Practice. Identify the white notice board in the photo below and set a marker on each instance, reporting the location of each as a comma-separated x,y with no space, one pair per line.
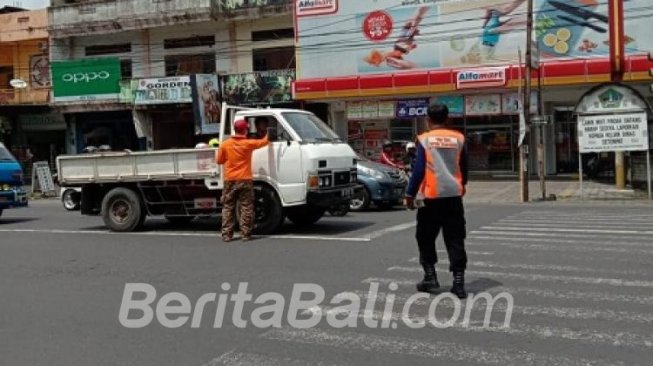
42,178
618,132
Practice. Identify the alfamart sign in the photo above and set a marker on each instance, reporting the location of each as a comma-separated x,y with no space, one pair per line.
481,78
86,80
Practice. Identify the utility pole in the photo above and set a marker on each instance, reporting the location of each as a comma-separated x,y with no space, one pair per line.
526,108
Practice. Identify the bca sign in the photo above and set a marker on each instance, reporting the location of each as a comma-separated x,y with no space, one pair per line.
412,108
316,7
481,78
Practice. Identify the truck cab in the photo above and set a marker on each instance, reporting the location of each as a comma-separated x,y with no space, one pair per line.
12,193
304,171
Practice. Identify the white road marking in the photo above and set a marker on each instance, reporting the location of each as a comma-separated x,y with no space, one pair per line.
520,330
391,229
551,311
573,225
532,267
252,359
538,292
553,235
430,349
183,234
564,279
557,241
549,245
563,230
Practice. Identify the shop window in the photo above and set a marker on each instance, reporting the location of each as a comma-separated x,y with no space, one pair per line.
491,143
281,58
108,49
190,64
273,35
126,69
197,41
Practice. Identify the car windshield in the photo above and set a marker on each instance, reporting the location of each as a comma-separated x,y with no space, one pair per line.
310,128
5,155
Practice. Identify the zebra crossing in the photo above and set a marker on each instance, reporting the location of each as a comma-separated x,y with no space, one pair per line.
581,280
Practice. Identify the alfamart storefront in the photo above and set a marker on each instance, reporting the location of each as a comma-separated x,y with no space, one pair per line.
394,59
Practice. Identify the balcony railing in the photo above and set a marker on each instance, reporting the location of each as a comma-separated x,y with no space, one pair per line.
27,96
107,16
251,9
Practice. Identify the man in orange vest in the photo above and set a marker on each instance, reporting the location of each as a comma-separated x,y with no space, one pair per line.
438,181
236,156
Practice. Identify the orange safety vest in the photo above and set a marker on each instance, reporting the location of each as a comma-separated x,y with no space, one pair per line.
443,177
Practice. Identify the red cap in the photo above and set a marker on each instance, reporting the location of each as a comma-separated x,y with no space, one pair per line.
241,126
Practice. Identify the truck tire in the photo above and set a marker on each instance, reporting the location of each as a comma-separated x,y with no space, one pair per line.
305,215
268,212
122,210
71,200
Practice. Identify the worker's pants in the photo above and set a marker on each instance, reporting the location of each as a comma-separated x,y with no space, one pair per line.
447,214
237,194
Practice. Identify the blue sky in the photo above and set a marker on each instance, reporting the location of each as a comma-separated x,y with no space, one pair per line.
29,4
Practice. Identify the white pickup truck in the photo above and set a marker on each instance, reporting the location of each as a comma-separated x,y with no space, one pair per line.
304,171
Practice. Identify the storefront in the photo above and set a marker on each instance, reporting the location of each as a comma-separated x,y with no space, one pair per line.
163,110
489,121
40,137
392,59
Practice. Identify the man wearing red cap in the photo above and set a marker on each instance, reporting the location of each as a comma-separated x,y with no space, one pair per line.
236,156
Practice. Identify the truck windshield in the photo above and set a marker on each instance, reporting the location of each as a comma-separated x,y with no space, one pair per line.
310,128
5,155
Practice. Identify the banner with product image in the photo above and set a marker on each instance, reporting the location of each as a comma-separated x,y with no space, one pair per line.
383,36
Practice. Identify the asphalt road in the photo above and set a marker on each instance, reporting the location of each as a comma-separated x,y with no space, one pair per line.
580,276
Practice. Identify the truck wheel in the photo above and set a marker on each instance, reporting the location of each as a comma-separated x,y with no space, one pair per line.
70,200
361,201
305,215
122,210
268,212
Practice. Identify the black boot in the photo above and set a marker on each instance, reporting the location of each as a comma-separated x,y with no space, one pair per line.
430,281
458,287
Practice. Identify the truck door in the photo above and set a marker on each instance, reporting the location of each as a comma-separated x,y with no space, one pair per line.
281,162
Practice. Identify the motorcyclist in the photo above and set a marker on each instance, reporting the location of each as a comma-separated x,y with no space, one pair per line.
386,156
411,156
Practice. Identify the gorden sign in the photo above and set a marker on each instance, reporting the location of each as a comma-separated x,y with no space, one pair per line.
86,80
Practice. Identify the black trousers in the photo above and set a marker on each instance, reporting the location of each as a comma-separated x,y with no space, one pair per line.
447,214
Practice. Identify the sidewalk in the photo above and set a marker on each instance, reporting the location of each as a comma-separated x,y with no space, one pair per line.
479,191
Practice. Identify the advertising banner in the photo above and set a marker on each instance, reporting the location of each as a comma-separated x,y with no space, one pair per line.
618,132
206,103
413,108
455,104
266,87
86,80
479,105
163,91
390,36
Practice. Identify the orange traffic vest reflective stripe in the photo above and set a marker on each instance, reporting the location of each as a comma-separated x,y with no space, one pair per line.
443,149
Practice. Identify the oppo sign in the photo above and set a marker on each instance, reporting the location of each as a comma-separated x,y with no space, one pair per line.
85,77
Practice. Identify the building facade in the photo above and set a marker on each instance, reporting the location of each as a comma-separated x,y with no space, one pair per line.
27,125
378,68
172,58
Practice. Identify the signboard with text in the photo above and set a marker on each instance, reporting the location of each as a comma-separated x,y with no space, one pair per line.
618,132
163,91
412,108
86,79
